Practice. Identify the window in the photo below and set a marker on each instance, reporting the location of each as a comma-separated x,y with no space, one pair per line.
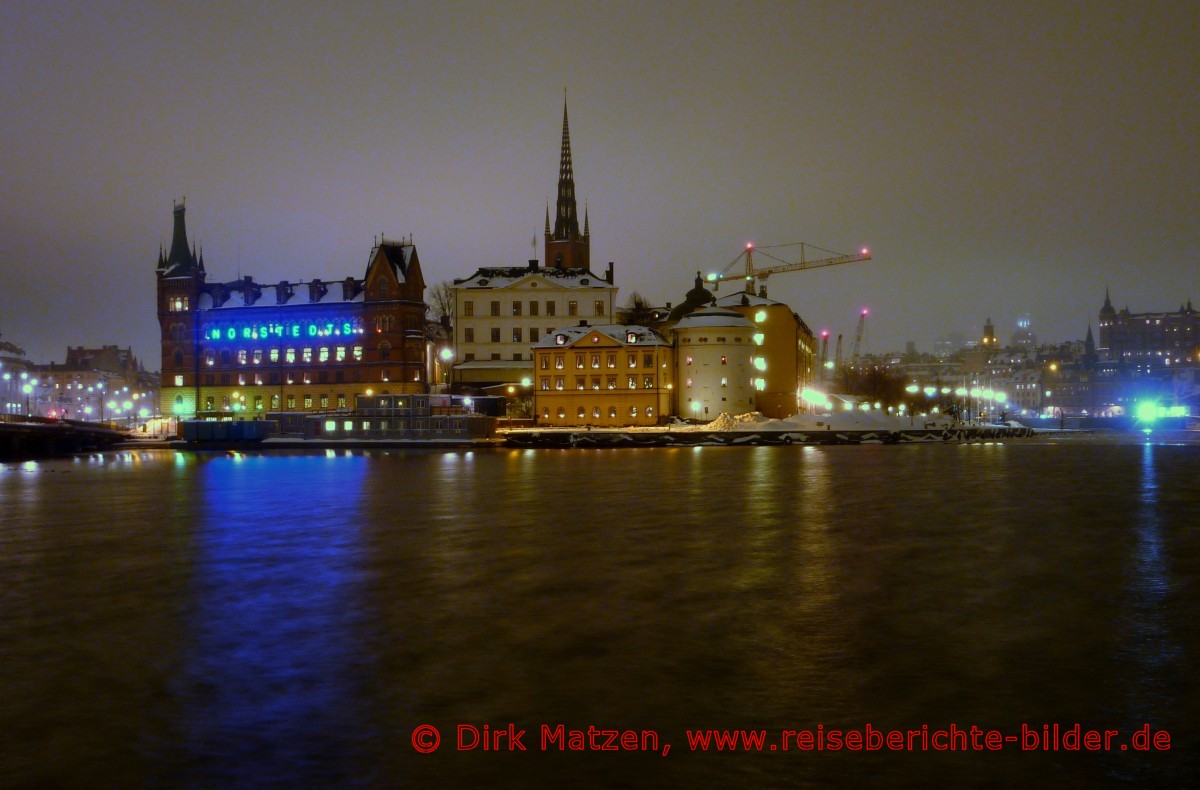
595,412
724,382
649,411
241,356
572,307
631,337
273,355
558,382
341,401
544,383
633,411
580,413
225,403
178,357
558,361
611,382
290,355
599,307
469,335
516,334
258,378
339,353
274,403
546,413
516,307
258,403
689,360
580,382
496,307
533,307
495,334
533,333
178,332
648,382
468,308
595,382
579,361
724,361
612,412
324,401
306,355
177,304
209,357
595,360
647,360
384,375
611,360
561,412
544,362
241,379
291,401
179,381
549,308
470,357
258,356
631,383
323,377
323,354
208,403
631,359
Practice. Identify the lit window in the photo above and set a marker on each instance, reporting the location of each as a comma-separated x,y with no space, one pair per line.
631,359
612,412
633,411
580,413
558,382
558,361
323,354
572,308
516,308
290,355
179,381
631,383
649,411
579,361
340,353
306,355
241,356
611,360
545,361
273,354
599,307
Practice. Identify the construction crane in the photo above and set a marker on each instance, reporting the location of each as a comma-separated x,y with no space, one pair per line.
753,275
858,336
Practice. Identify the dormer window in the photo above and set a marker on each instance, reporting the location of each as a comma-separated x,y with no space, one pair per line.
631,337
560,340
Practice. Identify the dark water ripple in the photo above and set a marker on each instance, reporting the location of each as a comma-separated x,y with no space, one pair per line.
288,620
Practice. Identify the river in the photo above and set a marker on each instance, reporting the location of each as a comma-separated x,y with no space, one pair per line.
293,619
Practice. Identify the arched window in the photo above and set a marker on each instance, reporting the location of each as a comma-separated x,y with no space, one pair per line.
178,332
178,358
225,357
385,350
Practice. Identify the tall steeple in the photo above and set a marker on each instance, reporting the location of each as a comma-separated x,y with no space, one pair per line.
565,247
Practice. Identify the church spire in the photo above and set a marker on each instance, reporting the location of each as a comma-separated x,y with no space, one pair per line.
566,218
566,248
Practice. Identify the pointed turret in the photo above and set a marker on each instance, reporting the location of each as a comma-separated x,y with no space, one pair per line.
180,259
1107,308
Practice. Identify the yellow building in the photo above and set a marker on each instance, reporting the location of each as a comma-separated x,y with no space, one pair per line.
786,358
604,376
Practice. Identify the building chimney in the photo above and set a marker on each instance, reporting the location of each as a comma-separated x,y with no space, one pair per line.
583,322
610,273
533,264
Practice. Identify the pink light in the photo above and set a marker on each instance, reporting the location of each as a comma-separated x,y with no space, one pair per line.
866,251
866,311
749,245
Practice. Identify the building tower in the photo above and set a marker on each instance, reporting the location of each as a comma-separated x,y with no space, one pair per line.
180,278
566,247
989,335
1108,317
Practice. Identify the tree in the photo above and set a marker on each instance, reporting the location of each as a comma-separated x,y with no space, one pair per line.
441,302
639,310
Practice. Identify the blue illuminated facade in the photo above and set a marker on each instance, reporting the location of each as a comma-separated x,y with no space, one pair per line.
244,349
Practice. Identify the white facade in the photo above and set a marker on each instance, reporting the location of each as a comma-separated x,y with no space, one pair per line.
714,352
501,313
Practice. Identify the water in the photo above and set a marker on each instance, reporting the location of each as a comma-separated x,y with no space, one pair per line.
291,620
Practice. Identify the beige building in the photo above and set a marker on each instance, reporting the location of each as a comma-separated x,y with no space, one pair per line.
500,313
787,352
714,357
604,376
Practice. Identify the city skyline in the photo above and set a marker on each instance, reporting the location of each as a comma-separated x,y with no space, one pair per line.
999,162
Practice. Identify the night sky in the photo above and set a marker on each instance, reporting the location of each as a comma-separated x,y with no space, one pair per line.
998,158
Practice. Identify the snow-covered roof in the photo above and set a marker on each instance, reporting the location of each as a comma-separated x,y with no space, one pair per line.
642,336
508,276
247,293
751,300
714,317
